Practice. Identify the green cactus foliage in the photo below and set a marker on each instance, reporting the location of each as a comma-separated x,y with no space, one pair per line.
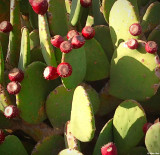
14,36
134,73
34,39
57,12
70,141
24,58
68,6
128,122
108,103
34,91
4,9
7,147
24,6
82,116
4,38
58,110
44,35
77,59
58,55
49,145
152,138
76,12
122,16
90,21
1,65
70,152
138,150
102,35
142,3
151,18
97,62
36,55
105,136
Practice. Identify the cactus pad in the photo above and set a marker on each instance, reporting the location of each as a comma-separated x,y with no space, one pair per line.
12,146
33,93
128,122
138,150
82,116
58,110
97,62
152,139
70,152
105,137
134,73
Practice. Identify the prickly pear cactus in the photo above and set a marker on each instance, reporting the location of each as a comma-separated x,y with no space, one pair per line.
76,98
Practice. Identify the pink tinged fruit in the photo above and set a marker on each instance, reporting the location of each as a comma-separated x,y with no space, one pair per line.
78,41
6,26
57,40
135,29
16,75
86,3
146,126
88,32
71,34
50,73
66,47
11,111
132,44
13,87
109,149
64,69
39,6
151,47
2,136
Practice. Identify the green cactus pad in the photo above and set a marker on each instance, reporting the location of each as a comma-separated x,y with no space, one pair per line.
152,138
12,146
128,122
102,35
34,91
36,55
122,16
57,12
82,116
70,152
105,137
4,9
138,150
68,6
44,35
34,39
152,106
58,55
134,73
97,62
24,58
77,59
58,110
70,141
49,145
151,19
15,35
108,103
1,65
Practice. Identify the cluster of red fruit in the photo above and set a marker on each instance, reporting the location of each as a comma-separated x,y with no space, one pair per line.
135,30
75,41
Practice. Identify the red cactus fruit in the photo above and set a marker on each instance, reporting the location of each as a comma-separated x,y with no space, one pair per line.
13,87
135,29
39,6
16,75
71,34
64,69
50,73
57,40
11,111
146,126
2,136
66,47
132,44
88,32
78,41
86,3
6,26
151,47
109,149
